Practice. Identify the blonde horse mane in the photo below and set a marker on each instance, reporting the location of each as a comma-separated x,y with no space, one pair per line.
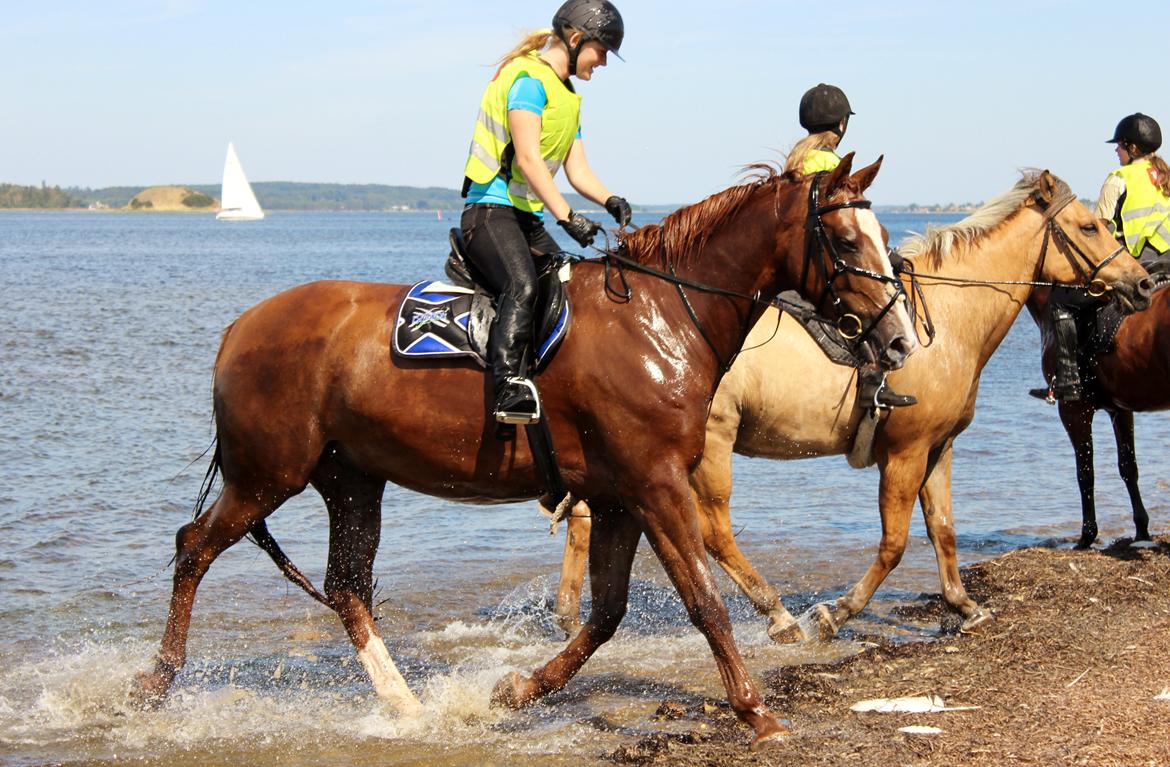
684,232
939,242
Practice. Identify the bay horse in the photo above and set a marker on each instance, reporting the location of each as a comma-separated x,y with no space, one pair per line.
305,392
1133,376
784,399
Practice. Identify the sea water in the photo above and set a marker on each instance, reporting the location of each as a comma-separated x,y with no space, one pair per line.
109,326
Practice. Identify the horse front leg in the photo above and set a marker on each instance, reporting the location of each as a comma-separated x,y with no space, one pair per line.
1077,418
668,518
197,544
1128,468
711,486
573,563
901,479
935,499
612,544
354,501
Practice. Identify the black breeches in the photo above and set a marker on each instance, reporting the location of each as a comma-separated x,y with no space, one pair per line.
506,244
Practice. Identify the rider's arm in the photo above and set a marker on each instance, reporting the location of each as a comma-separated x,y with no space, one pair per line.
525,129
1109,198
582,177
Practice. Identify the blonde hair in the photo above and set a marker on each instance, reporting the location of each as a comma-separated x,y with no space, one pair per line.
533,41
810,143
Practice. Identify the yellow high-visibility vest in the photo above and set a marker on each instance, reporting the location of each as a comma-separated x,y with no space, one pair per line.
558,128
819,160
1145,211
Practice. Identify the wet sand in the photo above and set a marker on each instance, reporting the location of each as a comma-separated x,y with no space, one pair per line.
1075,670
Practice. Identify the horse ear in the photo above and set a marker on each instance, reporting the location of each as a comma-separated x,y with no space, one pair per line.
1046,189
864,177
839,174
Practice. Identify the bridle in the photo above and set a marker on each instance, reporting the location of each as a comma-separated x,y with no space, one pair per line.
1092,285
850,326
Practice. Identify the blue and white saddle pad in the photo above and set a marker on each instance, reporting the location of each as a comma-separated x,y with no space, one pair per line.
439,320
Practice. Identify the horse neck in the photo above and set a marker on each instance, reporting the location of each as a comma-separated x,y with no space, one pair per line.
978,317
740,256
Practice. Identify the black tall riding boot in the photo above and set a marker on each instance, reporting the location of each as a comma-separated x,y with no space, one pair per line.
509,343
874,392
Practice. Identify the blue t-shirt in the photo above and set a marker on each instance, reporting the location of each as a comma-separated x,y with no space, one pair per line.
526,93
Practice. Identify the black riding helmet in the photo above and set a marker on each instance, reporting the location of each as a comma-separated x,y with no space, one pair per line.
596,20
1140,130
823,107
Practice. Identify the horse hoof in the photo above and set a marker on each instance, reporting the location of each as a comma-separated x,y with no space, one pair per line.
149,691
514,691
824,623
788,633
770,740
571,626
976,621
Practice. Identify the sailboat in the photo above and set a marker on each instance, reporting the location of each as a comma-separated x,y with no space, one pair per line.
237,201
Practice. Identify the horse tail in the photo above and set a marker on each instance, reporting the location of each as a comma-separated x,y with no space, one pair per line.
260,536
216,456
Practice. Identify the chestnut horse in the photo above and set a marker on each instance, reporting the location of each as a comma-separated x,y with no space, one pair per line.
305,392
1133,376
784,399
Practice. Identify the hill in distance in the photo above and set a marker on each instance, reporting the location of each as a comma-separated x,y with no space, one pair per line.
172,199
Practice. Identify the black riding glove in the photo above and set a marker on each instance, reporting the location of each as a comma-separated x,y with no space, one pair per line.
620,210
580,228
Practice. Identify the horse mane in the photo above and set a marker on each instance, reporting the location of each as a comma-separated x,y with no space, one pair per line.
684,233
940,242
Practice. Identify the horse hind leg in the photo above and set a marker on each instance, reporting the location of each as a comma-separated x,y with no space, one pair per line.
1128,468
711,487
197,545
354,501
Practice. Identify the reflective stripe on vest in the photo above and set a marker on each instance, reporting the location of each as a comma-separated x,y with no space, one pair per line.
558,128
1145,211
819,160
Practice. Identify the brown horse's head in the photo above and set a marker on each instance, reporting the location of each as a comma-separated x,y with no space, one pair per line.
857,286
1082,250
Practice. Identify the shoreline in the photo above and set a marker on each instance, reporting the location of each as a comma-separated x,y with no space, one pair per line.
1075,669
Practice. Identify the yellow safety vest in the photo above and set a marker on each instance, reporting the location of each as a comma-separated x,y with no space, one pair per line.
1145,211
820,160
558,128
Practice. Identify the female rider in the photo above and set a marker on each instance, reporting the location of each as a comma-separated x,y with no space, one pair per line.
1135,202
824,113
528,128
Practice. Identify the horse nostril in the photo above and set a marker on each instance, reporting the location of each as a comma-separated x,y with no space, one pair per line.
1145,287
902,345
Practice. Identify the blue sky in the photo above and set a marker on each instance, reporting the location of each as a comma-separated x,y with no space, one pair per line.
957,96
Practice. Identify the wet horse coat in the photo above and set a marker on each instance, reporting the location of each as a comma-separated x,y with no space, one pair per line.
1133,376
304,394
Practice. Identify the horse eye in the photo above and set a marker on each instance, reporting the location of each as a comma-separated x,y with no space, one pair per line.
846,245
1089,229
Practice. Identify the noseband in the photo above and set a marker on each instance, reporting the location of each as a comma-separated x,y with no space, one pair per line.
1080,261
849,325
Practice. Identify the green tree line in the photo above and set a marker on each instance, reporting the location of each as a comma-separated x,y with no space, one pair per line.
43,196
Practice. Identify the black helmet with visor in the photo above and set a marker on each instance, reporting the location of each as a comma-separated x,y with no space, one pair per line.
596,20
1142,131
823,107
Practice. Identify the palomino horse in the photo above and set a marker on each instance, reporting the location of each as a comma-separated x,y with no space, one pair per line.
784,399
1133,376
305,393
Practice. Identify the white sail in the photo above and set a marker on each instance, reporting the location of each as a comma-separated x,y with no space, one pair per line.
237,201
